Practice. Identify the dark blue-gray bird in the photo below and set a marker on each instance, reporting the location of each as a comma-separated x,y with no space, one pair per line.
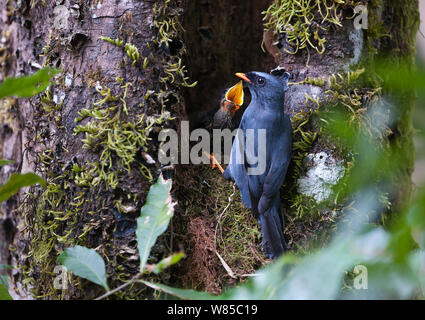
261,190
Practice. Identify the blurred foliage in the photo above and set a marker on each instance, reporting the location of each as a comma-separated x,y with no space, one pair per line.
16,182
27,86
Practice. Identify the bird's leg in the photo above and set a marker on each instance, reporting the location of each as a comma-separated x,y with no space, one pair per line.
214,162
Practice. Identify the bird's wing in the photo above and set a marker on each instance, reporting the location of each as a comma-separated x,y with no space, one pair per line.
236,170
279,165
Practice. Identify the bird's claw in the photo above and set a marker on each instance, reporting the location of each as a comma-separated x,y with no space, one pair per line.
214,162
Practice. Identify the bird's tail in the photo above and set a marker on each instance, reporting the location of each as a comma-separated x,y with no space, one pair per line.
271,229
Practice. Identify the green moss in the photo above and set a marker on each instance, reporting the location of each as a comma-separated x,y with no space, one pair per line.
236,230
132,52
109,135
6,114
400,51
341,91
376,27
117,42
303,22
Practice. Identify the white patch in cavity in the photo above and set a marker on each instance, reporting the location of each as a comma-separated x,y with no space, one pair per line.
323,173
146,220
59,99
68,79
62,96
61,17
98,86
315,92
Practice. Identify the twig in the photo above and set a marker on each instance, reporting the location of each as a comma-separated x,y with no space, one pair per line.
226,266
249,275
107,294
221,215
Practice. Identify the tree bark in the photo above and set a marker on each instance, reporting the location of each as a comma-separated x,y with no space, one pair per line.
94,187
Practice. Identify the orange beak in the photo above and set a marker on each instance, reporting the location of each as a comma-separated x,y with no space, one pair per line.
243,76
235,94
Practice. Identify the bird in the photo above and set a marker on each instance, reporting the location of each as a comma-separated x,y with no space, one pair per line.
261,191
224,117
231,102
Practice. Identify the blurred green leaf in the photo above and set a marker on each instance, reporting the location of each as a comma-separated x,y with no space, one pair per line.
4,162
4,280
316,276
85,263
415,219
155,216
186,294
399,77
417,264
27,86
6,266
373,161
17,181
167,262
4,293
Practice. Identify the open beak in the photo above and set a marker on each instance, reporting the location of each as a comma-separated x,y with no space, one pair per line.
243,76
235,94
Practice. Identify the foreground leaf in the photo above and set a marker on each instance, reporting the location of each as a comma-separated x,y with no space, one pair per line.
4,281
85,263
4,293
187,294
4,162
155,216
6,266
27,86
18,181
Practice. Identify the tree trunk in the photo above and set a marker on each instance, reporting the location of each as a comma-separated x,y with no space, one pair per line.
88,136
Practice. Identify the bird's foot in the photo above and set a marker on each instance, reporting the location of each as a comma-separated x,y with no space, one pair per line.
214,162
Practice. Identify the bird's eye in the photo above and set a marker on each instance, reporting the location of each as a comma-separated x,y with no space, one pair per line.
261,81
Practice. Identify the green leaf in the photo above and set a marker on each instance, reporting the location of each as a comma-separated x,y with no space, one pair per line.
4,293
4,162
5,266
166,262
4,280
155,216
27,86
18,181
187,294
85,263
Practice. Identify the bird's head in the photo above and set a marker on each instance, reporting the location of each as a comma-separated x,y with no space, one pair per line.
266,87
